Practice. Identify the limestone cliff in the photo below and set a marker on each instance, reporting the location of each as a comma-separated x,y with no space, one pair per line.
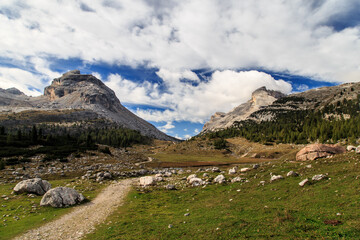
259,99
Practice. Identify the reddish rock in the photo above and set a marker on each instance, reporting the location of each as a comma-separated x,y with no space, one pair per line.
314,151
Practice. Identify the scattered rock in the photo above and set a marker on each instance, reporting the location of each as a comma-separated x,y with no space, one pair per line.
170,187
319,177
245,170
357,150
233,170
191,177
187,214
215,169
236,179
304,182
350,148
292,174
256,166
276,177
61,197
205,175
262,183
35,185
314,151
196,182
147,181
219,179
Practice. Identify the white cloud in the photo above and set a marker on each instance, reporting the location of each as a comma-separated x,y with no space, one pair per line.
196,131
167,127
187,136
223,91
295,36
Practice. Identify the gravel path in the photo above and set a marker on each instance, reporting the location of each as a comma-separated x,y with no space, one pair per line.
83,219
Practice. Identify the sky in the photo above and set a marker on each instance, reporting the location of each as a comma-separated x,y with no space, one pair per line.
175,63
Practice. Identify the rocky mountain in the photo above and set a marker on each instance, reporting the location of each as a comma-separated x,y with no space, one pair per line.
260,99
266,105
81,94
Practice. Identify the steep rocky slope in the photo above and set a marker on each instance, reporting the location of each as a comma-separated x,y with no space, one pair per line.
75,91
260,98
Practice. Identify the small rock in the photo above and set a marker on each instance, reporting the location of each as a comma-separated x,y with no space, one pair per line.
236,179
170,226
292,174
196,182
256,166
187,214
245,170
233,170
319,177
147,181
215,169
170,187
303,182
350,148
276,177
219,179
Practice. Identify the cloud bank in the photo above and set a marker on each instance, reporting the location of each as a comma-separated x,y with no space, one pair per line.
186,101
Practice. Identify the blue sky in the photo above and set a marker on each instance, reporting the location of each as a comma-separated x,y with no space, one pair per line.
175,63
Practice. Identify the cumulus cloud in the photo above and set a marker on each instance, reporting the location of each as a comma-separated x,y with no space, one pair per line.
167,127
223,91
313,38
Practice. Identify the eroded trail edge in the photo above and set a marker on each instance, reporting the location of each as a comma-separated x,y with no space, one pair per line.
83,219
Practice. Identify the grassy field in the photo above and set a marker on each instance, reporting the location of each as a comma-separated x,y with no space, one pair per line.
19,213
328,209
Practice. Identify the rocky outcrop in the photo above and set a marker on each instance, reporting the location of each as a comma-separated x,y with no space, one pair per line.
260,98
74,90
35,185
61,197
314,151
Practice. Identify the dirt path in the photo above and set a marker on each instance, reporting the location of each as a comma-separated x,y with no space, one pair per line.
83,219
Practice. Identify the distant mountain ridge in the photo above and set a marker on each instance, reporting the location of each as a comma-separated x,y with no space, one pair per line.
260,98
74,90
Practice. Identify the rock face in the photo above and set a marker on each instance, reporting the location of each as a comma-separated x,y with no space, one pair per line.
61,197
314,151
260,98
35,185
74,90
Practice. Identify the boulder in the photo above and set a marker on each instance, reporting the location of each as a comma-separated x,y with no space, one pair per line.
219,179
236,179
233,170
170,187
196,182
245,169
35,185
319,177
303,182
350,148
216,169
292,174
276,177
357,150
61,197
147,181
314,151
190,177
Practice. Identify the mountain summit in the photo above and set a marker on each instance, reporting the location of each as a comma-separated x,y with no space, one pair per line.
260,98
74,90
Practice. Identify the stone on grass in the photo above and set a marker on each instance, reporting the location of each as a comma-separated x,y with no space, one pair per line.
357,150
256,166
304,182
190,177
314,151
219,179
233,170
147,181
215,169
61,197
196,182
236,179
170,187
35,185
245,169
350,148
292,174
319,177
276,177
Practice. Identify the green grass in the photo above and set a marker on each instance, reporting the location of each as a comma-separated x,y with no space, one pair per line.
17,214
278,210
